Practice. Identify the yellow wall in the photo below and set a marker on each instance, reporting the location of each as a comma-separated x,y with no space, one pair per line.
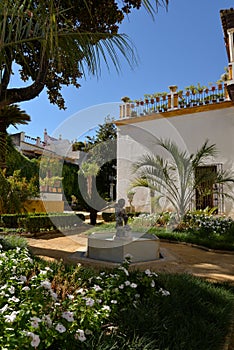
39,206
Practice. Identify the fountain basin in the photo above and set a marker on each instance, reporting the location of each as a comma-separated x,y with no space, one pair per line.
105,247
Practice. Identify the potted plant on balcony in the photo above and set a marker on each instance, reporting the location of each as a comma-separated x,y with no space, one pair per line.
182,102
125,99
192,89
137,102
164,95
164,107
219,84
157,95
173,88
147,98
180,93
212,85
187,91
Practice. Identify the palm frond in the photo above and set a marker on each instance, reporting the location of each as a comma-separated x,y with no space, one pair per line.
203,153
60,43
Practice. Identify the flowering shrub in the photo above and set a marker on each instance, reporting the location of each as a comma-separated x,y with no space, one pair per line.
202,223
35,315
157,219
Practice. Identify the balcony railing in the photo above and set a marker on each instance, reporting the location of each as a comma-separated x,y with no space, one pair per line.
174,101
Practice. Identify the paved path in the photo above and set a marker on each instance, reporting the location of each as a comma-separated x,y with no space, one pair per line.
177,258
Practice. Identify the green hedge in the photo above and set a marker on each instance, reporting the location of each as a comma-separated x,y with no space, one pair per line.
37,222
42,223
109,217
11,220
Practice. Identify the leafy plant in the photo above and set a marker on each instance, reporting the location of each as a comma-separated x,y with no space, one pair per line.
15,190
174,177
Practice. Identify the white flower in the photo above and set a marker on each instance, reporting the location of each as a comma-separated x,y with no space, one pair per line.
68,315
106,307
89,301
35,321
152,284
137,296
26,288
121,286
11,318
70,296
35,340
47,268
80,335
3,309
4,286
128,256
23,278
11,290
54,295
14,299
80,291
46,284
60,328
30,260
164,292
97,288
124,270
148,272
113,301
133,285
47,320
127,283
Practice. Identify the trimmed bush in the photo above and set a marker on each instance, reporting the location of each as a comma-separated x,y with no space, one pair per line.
11,220
52,222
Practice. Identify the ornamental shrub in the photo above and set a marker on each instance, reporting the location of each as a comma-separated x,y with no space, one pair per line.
207,225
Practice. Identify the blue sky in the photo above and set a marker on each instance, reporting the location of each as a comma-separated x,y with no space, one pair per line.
182,46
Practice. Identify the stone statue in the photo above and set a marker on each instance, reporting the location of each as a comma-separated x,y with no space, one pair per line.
123,230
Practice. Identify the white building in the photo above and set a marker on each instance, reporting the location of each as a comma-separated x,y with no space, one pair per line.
188,120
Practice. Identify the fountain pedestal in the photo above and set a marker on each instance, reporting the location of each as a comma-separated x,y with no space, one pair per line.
108,247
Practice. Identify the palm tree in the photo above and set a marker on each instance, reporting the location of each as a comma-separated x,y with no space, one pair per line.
174,178
9,115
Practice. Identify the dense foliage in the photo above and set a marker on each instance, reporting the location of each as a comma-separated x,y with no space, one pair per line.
54,43
52,306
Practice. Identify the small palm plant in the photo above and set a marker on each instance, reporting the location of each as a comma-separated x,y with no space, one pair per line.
9,115
174,177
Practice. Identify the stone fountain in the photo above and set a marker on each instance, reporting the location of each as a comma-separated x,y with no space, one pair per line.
114,246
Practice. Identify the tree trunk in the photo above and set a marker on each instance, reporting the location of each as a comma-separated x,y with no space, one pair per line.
93,216
3,135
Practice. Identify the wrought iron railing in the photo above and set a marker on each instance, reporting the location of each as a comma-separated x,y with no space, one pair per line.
173,101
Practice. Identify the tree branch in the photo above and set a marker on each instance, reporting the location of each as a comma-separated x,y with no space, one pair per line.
16,95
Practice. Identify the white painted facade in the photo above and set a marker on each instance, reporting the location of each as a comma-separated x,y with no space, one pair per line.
188,128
